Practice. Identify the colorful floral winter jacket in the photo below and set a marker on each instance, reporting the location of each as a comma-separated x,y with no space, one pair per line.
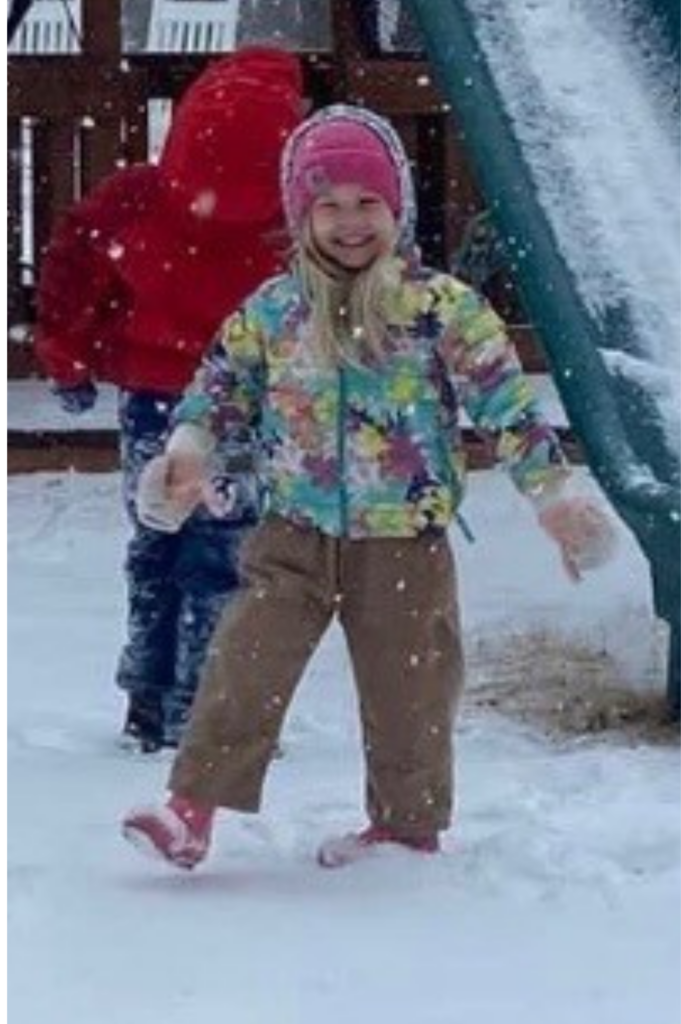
373,451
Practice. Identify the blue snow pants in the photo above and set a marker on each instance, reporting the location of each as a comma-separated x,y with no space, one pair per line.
178,584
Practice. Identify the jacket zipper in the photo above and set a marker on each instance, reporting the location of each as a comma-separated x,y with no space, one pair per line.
341,452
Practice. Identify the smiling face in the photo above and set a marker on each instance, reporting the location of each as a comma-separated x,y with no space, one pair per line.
352,226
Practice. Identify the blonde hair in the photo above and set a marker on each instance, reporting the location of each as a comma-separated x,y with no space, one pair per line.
349,324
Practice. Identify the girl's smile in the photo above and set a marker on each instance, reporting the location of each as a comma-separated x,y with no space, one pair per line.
352,226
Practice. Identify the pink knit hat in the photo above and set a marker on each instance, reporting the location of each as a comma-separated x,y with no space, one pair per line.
338,151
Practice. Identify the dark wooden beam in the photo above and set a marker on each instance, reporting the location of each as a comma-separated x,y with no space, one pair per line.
396,87
97,450
101,21
54,87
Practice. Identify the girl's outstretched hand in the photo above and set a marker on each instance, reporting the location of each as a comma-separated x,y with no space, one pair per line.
171,487
584,532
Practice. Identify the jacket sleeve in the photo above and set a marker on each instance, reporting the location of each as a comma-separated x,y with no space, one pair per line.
486,374
226,394
79,290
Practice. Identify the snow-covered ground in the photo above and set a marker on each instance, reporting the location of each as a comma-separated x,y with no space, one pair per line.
556,900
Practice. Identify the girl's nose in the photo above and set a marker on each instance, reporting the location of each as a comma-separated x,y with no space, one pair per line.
351,217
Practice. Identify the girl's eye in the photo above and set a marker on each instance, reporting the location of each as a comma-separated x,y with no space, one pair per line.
369,201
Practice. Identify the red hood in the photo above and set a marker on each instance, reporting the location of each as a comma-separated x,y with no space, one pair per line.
223,148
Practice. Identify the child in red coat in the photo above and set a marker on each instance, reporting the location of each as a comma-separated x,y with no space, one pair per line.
133,286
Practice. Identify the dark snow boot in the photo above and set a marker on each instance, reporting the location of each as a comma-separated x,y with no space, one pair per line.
143,727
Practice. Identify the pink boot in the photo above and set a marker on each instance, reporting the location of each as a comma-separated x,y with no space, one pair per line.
342,850
179,832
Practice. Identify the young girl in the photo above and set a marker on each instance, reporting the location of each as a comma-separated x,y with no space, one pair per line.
351,368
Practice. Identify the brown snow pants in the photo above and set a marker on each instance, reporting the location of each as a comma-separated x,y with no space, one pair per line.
396,601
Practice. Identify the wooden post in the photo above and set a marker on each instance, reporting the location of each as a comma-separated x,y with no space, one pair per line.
102,29
102,141
15,294
53,184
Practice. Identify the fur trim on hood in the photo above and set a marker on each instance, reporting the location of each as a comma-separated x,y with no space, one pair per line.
342,112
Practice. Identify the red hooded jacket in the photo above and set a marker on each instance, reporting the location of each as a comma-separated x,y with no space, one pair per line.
140,274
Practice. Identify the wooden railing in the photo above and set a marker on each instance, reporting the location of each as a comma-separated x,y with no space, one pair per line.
198,26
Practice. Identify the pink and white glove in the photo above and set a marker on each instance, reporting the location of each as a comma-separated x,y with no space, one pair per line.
584,532
171,487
